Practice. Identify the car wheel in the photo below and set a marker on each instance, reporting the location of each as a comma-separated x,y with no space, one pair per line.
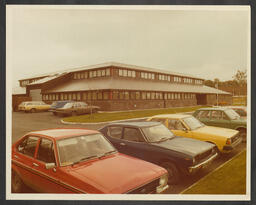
242,133
173,173
17,183
33,110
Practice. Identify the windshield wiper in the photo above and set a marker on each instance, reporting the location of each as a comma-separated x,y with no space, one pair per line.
106,153
84,158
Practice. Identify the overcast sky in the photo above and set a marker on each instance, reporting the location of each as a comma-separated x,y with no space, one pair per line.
205,43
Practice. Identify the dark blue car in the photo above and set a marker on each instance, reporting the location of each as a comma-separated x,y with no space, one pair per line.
58,104
153,142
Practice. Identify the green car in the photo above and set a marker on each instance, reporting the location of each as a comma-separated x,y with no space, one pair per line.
222,117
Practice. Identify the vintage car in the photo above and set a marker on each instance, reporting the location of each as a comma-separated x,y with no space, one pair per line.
153,142
188,126
241,110
222,117
33,106
58,104
76,108
80,161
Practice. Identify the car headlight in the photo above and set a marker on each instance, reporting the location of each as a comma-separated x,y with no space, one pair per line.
228,141
162,183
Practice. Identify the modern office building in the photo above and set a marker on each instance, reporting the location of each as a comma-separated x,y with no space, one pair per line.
117,86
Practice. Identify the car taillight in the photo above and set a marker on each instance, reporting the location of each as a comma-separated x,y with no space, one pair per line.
228,141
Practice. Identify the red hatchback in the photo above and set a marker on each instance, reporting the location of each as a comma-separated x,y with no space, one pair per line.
80,161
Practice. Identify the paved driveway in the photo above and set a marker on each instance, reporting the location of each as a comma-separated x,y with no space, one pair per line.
26,122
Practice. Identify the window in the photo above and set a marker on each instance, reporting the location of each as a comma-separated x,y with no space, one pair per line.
120,72
216,114
126,95
65,96
153,76
108,72
142,75
85,74
137,95
133,74
46,151
153,95
148,95
78,96
125,73
90,74
53,96
133,95
28,146
105,95
115,95
203,114
74,96
133,134
159,120
94,96
175,124
78,76
89,96
129,73
57,97
75,76
143,95
82,75
70,96
99,96
121,95
84,96
103,72
115,132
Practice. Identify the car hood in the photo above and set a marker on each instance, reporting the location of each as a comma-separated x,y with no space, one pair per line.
117,173
184,145
216,131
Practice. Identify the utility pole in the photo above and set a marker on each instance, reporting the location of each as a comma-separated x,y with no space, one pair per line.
217,86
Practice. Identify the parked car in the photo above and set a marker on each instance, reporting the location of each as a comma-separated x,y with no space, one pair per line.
241,110
33,106
153,142
80,161
77,108
58,104
188,126
222,117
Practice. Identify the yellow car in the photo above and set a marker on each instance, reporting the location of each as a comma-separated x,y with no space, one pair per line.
188,126
33,106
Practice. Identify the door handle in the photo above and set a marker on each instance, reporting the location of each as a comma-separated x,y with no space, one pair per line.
35,164
123,144
16,156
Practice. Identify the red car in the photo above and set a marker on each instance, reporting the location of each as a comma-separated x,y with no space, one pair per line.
80,161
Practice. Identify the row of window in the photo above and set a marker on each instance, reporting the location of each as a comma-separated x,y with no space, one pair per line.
132,74
92,74
117,95
146,75
126,73
198,82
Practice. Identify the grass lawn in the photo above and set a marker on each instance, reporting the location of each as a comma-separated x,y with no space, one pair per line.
229,179
104,117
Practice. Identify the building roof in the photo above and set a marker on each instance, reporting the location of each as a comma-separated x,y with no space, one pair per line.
46,79
136,124
19,91
115,64
132,84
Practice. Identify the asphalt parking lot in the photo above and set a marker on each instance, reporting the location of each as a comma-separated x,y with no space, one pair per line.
23,123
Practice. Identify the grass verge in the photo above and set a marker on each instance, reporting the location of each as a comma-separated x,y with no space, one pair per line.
229,179
105,117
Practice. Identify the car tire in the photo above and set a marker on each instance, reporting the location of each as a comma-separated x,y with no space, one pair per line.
33,110
173,172
17,183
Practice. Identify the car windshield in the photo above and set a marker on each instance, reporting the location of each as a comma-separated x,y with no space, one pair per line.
54,104
193,123
68,105
157,133
80,148
232,114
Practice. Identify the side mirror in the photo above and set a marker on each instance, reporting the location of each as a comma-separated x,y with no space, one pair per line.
49,165
20,148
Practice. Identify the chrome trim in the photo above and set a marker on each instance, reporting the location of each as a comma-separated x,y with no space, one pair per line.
205,162
142,185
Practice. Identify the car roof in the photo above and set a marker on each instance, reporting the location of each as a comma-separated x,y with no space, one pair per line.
177,116
59,133
215,108
136,124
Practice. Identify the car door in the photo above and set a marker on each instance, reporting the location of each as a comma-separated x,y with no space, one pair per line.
46,168
134,144
178,128
24,160
219,119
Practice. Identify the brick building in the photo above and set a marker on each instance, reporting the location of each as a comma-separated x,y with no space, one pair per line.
116,86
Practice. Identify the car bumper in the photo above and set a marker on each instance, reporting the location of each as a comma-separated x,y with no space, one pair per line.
194,169
229,148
